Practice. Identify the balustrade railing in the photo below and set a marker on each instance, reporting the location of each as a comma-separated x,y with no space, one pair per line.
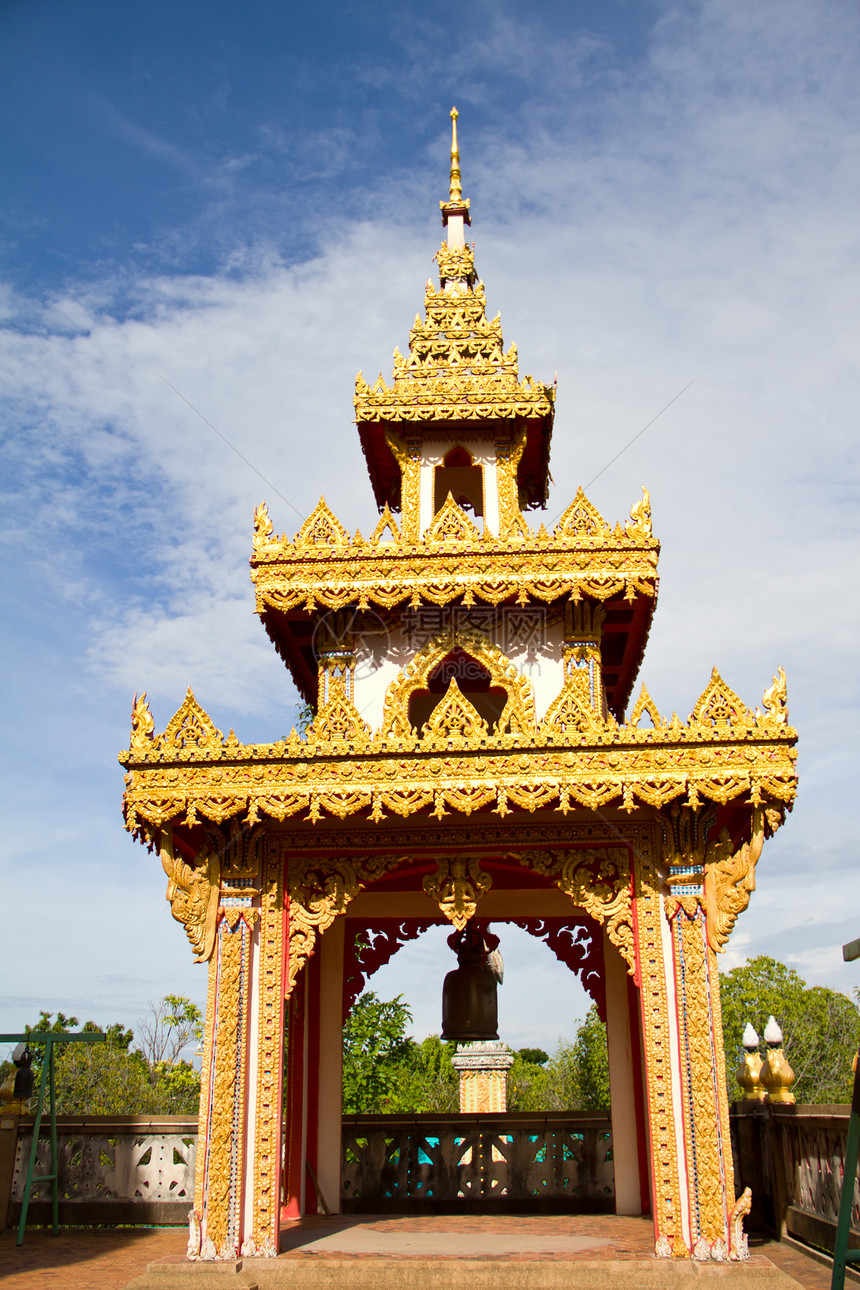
792,1158
127,1169
459,1161
113,1169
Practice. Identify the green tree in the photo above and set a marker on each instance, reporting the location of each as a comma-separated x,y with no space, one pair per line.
591,1062
170,1026
528,1082
113,1078
375,1047
536,1056
821,1027
427,1081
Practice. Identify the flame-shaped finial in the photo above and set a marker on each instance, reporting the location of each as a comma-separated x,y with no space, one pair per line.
456,185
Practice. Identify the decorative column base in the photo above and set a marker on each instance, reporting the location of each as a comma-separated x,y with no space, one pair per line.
483,1069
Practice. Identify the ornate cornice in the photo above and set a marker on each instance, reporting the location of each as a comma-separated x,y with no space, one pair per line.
723,753
324,567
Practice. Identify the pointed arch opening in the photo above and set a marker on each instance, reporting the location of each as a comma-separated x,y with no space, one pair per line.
473,680
459,476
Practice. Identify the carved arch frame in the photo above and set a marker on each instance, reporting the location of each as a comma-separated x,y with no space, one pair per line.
519,711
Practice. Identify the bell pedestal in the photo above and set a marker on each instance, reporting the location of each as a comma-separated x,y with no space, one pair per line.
483,1070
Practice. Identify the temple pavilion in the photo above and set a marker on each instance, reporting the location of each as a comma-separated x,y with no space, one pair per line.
474,753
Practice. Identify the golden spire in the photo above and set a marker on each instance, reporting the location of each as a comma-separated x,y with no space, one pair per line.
456,189
457,206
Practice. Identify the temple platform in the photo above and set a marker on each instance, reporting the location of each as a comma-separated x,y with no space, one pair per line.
477,1252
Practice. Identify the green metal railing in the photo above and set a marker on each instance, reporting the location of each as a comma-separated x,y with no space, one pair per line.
841,1253
49,1039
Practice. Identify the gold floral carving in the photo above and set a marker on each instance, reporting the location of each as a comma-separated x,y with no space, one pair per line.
320,890
713,1169
193,895
456,263
142,724
190,732
386,523
775,699
338,723
729,881
322,529
451,524
640,514
512,526
666,1186
270,1005
598,882
457,886
408,458
722,754
454,721
207,1074
226,1147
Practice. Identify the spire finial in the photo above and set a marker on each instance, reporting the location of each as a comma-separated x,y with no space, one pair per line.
455,212
456,188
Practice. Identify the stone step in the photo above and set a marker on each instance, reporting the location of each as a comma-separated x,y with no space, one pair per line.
381,1273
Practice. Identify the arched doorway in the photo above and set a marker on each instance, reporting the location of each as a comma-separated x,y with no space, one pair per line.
394,910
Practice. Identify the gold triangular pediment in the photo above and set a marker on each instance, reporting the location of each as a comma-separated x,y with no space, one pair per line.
387,523
718,706
322,528
567,714
338,720
452,524
582,519
644,704
190,729
455,717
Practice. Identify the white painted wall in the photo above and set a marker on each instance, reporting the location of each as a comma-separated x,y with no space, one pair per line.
542,663
378,660
625,1153
381,657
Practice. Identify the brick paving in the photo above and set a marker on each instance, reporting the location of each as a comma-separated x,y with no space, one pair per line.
81,1258
107,1259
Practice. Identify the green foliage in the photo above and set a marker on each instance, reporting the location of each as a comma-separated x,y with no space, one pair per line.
574,1078
375,1047
427,1081
590,1059
114,1079
384,1070
821,1027
536,1056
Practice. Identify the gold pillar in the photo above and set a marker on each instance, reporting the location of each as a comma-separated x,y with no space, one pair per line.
695,1212
237,1184
483,1072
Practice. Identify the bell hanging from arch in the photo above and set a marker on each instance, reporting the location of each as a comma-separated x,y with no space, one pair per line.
469,1002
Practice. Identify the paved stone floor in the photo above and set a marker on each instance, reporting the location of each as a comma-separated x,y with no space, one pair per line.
107,1259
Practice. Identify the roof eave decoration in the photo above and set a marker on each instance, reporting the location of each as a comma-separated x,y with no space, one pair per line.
583,556
570,759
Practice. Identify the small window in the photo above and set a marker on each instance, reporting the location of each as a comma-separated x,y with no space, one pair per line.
462,479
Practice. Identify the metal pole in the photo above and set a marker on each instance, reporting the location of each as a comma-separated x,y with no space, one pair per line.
841,1253
37,1124
55,1162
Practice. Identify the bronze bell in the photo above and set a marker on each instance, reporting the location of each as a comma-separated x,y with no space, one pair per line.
469,1003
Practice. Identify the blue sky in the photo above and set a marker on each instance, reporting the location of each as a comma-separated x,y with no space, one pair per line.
241,202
